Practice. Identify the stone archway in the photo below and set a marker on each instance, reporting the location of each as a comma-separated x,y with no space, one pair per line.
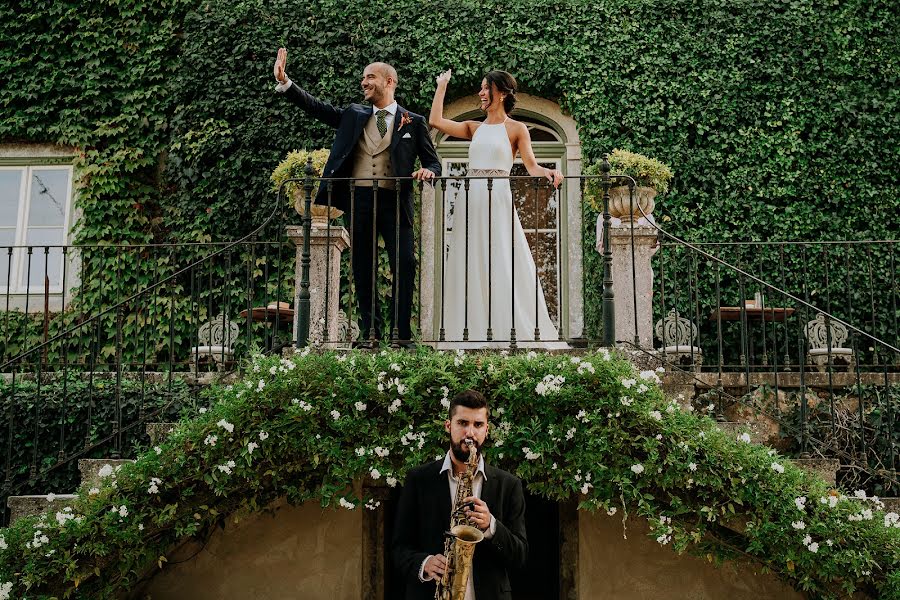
556,140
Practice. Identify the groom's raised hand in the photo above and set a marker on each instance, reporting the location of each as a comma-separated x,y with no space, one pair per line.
280,64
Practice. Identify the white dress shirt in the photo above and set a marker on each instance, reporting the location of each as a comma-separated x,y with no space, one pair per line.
477,484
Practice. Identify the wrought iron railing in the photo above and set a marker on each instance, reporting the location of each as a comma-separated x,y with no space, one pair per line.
84,373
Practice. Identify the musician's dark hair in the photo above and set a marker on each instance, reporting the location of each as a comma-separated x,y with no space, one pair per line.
469,399
506,84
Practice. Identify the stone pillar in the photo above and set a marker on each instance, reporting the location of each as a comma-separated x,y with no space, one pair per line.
426,266
321,239
645,246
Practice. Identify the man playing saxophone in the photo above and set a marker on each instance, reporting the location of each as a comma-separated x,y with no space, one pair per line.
429,504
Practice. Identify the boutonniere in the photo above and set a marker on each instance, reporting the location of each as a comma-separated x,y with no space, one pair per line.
405,119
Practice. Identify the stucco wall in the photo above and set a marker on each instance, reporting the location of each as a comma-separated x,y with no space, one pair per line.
295,552
638,568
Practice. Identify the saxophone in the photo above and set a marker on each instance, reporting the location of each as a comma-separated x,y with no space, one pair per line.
460,540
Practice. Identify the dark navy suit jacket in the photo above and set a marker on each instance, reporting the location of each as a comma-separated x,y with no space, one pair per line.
350,123
423,514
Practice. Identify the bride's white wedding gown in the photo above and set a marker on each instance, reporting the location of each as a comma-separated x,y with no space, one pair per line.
497,274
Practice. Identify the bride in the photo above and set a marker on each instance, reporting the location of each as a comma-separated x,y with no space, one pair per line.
489,273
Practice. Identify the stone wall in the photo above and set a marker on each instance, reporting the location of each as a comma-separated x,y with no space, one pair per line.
638,568
289,552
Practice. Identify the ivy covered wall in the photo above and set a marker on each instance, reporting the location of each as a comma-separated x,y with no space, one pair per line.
779,118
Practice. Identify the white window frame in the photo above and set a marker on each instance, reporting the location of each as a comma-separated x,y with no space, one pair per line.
20,295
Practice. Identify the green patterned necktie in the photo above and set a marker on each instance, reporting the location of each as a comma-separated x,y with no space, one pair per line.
381,123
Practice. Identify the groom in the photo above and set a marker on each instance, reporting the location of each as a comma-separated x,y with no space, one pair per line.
381,140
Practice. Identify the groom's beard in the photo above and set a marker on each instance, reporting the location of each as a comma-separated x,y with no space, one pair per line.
461,450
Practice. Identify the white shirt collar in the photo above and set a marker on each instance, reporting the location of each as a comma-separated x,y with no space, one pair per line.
391,108
448,465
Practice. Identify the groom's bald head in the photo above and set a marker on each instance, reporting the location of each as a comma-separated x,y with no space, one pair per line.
387,71
379,82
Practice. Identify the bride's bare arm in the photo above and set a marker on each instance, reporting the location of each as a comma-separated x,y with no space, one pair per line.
521,142
436,119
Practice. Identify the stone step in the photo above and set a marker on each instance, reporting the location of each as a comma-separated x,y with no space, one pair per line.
891,504
23,506
90,469
158,432
826,468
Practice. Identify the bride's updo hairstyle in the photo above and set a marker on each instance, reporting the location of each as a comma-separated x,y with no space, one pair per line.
505,84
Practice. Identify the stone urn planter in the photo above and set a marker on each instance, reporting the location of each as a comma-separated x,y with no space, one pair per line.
621,207
320,214
291,172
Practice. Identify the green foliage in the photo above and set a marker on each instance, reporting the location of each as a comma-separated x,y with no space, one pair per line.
779,117
645,171
571,427
68,415
294,167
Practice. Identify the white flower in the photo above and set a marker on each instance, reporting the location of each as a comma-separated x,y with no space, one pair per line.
892,519
346,504
637,469
659,437
391,481
692,466
611,510
529,455
3,545
627,401
211,440
226,425
140,526
381,452
395,367
93,491
777,467
445,403
360,406
582,416
227,467
251,447
62,517
807,540
51,497
649,376
158,450
830,543
628,382
861,494
263,436
360,451
154,485
260,385
105,471
123,511
550,384
273,370
814,547
798,525
570,433
395,406
642,388
202,410
744,437
800,502
586,367
375,474
5,590
655,414
585,488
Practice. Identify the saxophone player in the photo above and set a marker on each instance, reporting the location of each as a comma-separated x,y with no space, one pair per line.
496,507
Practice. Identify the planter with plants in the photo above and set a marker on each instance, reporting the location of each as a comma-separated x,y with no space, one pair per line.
652,178
294,167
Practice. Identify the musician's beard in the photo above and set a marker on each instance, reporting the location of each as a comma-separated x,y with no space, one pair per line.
461,450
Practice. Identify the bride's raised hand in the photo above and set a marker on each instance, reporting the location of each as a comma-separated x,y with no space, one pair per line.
444,78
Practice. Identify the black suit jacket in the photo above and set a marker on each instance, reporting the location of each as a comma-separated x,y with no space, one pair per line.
423,514
350,123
